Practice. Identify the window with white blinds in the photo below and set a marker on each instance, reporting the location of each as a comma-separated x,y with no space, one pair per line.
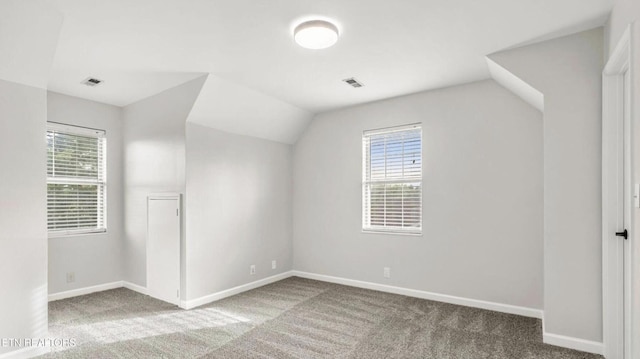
392,179
76,180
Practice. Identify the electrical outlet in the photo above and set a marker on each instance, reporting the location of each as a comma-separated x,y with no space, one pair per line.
71,277
273,264
252,269
387,272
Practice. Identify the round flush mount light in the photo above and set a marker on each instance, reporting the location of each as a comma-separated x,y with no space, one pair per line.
316,34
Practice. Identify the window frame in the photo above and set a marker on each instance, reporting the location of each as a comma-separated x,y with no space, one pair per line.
367,181
100,182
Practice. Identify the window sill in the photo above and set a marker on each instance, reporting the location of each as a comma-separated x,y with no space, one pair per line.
76,234
393,233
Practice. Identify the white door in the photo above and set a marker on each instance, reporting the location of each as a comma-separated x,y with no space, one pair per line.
617,239
627,204
617,209
620,212
163,248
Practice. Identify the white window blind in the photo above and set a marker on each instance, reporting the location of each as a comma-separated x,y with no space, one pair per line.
392,179
76,180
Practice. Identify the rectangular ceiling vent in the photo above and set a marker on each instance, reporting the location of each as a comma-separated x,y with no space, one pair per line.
91,81
353,82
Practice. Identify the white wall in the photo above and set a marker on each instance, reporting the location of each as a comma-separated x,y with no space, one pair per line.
568,72
624,12
96,258
154,161
482,193
239,195
23,216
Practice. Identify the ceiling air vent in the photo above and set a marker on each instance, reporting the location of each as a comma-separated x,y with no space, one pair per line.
353,82
91,81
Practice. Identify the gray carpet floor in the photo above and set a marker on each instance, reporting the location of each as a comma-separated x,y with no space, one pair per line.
293,318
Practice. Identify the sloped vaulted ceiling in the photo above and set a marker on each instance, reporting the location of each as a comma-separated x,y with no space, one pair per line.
262,84
29,33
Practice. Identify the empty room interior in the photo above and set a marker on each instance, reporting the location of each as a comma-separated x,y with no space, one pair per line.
320,179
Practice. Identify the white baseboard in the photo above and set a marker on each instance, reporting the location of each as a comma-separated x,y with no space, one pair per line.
97,288
498,307
552,339
573,343
134,287
25,353
548,338
189,304
84,291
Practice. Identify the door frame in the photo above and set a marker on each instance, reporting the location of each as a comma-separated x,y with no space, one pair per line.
616,254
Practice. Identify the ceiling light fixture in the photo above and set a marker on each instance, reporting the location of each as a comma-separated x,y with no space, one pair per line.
316,34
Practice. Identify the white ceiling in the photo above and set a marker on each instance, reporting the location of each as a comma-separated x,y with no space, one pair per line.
393,47
260,83
28,37
234,108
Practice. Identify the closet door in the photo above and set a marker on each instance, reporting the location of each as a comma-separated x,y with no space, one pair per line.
163,247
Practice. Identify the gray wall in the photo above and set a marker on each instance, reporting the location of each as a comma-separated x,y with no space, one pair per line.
482,193
154,161
23,212
239,209
96,258
568,71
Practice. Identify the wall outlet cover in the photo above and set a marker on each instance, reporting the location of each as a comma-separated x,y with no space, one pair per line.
386,272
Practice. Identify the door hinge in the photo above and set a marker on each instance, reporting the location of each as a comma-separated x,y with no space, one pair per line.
178,293
624,234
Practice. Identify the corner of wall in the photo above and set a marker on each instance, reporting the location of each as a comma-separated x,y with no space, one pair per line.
155,161
513,83
567,72
23,109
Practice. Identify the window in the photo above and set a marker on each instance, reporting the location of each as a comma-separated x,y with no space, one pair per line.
392,180
76,180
